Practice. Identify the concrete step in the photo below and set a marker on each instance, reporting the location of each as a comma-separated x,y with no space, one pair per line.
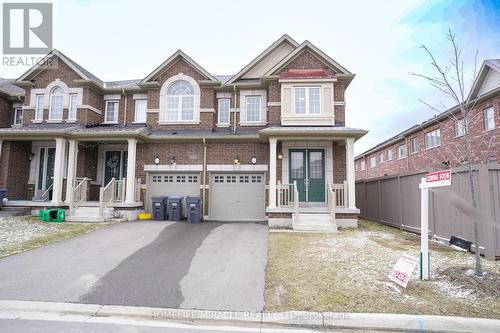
315,227
314,222
79,218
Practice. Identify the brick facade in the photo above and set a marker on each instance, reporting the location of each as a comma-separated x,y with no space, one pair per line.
451,150
6,112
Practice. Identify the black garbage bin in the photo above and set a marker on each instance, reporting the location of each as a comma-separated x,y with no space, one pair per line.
174,207
3,191
193,204
158,206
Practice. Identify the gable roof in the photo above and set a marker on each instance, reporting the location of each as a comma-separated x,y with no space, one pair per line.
493,64
82,72
306,45
283,39
171,59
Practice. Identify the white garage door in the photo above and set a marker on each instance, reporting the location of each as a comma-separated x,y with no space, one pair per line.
237,197
173,183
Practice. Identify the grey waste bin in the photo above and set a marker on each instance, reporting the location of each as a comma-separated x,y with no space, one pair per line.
193,204
174,207
158,204
3,191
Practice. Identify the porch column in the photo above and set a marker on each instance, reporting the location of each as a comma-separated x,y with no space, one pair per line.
272,172
57,183
131,160
70,179
349,162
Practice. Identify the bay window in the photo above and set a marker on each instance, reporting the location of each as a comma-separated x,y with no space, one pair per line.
307,100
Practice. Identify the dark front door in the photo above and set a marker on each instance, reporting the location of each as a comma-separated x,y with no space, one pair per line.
46,170
115,165
307,168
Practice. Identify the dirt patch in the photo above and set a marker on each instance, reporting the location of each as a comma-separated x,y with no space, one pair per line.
347,272
464,282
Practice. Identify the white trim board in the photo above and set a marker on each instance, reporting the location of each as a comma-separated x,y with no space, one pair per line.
173,167
237,168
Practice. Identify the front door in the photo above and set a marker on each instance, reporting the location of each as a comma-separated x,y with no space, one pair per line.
115,165
307,168
46,170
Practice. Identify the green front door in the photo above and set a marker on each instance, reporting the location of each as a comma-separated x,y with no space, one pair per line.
307,168
46,169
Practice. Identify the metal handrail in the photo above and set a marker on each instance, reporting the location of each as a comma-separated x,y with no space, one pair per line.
47,191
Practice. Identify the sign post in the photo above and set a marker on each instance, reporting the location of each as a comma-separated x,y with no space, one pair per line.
433,179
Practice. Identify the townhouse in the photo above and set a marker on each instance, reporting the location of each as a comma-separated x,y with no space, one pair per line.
438,142
268,143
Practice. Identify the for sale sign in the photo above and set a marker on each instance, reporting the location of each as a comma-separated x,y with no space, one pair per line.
402,270
439,178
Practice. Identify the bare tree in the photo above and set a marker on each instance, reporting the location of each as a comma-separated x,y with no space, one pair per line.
450,80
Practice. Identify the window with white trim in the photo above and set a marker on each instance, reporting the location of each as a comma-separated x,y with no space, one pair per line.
224,105
373,161
381,157
389,154
56,103
72,106
180,101
253,109
39,107
460,127
111,115
492,160
362,165
402,151
413,145
433,138
140,110
489,118
307,100
18,116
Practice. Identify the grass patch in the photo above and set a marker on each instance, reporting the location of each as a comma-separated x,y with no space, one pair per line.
19,234
347,272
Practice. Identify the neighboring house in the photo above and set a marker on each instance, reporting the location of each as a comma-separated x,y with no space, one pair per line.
239,141
438,143
11,102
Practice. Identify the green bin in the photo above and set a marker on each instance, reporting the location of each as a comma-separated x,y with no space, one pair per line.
52,215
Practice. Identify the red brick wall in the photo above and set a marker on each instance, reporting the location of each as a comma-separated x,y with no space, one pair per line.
339,167
452,148
14,171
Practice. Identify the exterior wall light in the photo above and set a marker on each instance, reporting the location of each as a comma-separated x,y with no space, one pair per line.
254,160
157,160
236,160
280,156
31,156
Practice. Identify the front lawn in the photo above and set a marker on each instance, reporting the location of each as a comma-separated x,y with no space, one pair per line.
347,272
19,234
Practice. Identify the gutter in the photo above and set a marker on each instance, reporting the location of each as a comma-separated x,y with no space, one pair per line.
234,112
125,110
203,191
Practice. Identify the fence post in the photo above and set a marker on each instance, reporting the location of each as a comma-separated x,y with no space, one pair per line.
379,201
487,234
400,206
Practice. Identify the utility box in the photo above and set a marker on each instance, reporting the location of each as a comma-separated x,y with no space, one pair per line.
3,191
174,210
193,204
158,204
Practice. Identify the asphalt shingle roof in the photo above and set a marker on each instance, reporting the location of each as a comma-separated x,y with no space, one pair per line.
8,88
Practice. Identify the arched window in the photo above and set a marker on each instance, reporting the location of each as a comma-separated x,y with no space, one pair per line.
180,101
56,103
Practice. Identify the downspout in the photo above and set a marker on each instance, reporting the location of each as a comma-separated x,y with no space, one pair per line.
204,174
234,112
125,111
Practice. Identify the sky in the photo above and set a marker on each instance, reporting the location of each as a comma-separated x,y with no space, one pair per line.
379,41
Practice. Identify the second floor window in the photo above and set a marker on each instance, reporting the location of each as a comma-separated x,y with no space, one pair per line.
373,162
56,103
224,107
432,138
253,109
307,100
180,101
362,165
389,154
381,157
39,107
459,127
111,112
489,118
72,106
402,151
413,146
18,116
140,110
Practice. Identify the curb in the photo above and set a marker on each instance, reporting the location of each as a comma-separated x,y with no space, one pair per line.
290,319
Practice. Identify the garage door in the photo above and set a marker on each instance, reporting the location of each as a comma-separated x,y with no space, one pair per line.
172,183
237,197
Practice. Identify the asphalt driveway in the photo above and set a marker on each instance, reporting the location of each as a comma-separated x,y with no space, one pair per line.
180,265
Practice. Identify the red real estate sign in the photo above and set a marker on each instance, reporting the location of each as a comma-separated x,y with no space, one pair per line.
402,270
438,178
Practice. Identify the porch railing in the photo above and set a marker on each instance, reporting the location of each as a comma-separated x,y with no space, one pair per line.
80,192
107,195
295,195
339,191
332,204
285,195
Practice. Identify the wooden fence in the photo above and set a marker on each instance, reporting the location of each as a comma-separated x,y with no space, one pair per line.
395,200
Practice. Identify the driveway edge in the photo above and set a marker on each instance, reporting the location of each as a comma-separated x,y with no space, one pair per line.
330,320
